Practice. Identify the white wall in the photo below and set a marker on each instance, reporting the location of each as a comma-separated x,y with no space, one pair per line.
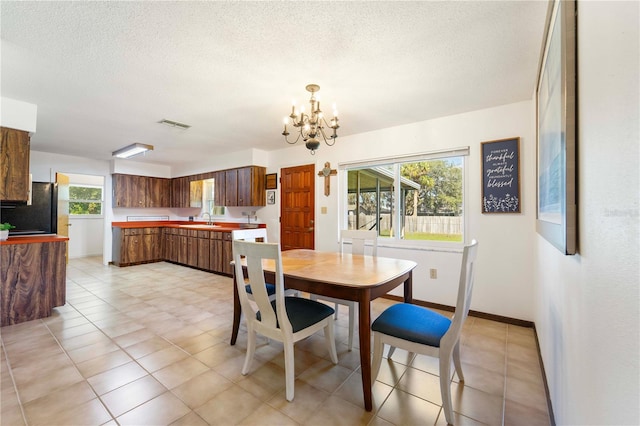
587,306
504,277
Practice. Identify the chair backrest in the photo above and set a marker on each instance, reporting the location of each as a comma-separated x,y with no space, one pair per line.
253,254
359,239
465,288
253,235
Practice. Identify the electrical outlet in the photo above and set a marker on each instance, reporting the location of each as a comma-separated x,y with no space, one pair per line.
433,273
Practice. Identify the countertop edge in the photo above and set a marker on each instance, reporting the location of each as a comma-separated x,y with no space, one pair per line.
31,239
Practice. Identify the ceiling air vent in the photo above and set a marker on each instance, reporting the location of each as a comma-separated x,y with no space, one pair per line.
174,124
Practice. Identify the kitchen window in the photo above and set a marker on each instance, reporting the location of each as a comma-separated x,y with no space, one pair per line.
85,200
414,198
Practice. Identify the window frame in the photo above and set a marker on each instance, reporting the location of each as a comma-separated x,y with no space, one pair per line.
101,201
397,241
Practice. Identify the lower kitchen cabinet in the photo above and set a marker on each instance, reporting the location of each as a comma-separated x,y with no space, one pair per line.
136,245
204,250
207,250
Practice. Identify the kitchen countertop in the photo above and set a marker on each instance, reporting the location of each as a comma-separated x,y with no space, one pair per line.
201,226
30,239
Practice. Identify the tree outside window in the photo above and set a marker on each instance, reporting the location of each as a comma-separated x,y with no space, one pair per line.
85,200
416,200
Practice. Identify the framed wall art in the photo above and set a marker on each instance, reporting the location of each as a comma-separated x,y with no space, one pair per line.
271,197
271,181
501,176
556,216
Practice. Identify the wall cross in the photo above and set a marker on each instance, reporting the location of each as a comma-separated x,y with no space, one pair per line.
327,172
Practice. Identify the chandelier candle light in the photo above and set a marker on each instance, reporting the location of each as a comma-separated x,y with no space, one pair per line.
311,126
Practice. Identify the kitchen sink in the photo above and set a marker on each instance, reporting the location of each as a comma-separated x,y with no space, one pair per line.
203,225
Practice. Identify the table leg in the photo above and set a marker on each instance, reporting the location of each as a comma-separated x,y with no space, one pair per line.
408,288
364,321
237,311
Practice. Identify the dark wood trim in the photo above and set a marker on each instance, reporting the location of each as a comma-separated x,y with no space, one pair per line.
477,314
552,419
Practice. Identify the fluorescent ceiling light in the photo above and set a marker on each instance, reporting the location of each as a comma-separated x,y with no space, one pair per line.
132,150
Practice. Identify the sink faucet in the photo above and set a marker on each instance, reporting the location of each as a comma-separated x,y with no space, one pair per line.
209,222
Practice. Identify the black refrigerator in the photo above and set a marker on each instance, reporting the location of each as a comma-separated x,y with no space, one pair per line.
41,217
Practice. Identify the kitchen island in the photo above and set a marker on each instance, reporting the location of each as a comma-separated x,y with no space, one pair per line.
33,273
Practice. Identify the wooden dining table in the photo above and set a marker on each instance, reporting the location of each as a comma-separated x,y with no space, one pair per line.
344,276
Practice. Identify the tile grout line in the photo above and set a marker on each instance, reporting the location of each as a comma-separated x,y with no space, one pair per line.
13,381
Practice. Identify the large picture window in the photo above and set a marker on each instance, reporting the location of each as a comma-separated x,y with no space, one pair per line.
85,200
410,198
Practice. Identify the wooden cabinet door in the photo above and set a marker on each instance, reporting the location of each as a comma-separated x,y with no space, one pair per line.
183,249
192,249
180,192
158,192
129,190
14,165
251,190
132,249
227,255
244,186
215,255
220,186
231,187
204,250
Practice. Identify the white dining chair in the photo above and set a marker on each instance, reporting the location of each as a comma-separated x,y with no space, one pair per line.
286,319
361,242
259,235
423,331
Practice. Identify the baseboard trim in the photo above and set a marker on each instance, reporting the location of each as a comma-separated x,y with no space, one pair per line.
477,314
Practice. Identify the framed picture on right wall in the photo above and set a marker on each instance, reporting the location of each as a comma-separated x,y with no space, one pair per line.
556,216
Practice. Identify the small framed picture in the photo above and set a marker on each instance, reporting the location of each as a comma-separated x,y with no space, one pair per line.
271,181
271,197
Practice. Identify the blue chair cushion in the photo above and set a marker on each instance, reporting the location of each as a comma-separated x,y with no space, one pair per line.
303,312
271,289
413,323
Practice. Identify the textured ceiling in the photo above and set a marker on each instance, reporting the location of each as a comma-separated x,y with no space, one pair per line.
104,73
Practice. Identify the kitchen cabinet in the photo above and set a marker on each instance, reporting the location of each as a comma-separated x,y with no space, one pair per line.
243,186
180,192
204,250
221,252
231,187
192,248
220,189
136,245
141,191
182,247
158,192
14,165
251,188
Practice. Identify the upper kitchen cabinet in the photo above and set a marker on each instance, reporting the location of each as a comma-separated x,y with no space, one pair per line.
158,192
251,189
220,188
240,187
181,192
14,165
141,191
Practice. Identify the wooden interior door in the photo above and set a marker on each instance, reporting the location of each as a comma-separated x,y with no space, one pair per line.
297,207
63,207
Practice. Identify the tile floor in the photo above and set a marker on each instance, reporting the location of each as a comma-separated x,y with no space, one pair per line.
149,345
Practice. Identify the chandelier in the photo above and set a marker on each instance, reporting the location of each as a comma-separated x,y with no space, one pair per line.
310,127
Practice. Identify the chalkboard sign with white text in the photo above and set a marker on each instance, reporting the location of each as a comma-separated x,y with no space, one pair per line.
501,176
